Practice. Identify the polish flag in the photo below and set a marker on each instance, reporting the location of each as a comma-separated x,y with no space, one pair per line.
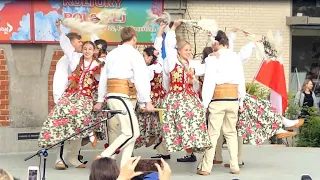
272,75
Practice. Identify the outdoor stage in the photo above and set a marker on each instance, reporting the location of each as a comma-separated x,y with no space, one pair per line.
261,163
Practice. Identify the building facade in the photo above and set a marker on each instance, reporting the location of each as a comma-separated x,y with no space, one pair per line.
26,71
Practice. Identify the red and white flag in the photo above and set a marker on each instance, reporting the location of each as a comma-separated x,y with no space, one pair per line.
272,75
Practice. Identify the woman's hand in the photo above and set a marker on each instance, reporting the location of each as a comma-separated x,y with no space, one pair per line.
97,107
127,171
164,170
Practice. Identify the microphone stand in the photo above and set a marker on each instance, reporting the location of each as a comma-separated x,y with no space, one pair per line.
44,151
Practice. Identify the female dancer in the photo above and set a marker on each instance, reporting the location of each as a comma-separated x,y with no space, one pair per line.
74,110
184,123
101,52
149,122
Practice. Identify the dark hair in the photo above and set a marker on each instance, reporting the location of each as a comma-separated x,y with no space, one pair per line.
149,51
127,33
222,38
104,46
74,84
104,168
73,36
205,53
171,24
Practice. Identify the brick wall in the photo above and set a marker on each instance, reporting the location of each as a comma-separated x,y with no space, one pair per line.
4,91
56,56
255,16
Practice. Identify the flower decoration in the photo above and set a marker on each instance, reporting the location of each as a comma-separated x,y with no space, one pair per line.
99,46
156,53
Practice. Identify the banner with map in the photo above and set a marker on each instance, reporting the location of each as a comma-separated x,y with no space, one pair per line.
34,21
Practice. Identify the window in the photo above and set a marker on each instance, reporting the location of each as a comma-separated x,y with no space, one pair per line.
306,7
305,57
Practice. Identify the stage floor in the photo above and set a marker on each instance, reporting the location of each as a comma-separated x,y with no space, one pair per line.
261,163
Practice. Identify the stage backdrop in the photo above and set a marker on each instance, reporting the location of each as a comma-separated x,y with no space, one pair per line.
26,21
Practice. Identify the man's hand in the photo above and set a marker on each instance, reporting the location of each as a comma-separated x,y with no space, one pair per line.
149,106
163,170
97,107
127,171
58,23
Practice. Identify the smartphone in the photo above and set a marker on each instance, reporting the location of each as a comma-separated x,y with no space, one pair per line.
147,165
33,173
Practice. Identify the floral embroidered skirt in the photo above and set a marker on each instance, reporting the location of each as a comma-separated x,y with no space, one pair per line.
184,123
97,116
259,121
72,113
149,125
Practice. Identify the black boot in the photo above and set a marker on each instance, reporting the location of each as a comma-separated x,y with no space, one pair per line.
191,158
162,156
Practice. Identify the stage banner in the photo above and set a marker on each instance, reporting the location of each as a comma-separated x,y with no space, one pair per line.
15,21
47,11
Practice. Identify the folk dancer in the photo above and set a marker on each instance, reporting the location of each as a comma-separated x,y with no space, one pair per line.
184,124
124,64
99,130
60,84
261,124
149,123
74,109
223,93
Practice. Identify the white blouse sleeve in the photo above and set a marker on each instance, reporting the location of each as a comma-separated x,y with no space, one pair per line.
171,51
69,51
165,81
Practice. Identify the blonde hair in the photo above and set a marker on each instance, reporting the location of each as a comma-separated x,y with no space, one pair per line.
181,43
303,88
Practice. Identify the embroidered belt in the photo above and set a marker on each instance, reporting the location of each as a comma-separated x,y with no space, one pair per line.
122,86
225,91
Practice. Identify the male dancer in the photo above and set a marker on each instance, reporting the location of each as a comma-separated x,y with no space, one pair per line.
244,54
222,87
124,64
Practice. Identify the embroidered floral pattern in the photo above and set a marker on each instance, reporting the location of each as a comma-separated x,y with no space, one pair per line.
184,122
72,113
259,121
149,123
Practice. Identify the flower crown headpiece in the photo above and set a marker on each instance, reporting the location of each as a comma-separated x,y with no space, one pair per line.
156,53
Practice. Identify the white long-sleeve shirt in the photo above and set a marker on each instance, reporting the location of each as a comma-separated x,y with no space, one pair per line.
63,71
60,78
125,62
227,69
72,56
245,52
63,67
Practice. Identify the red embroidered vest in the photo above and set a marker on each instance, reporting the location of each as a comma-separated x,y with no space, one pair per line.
178,81
87,82
157,90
